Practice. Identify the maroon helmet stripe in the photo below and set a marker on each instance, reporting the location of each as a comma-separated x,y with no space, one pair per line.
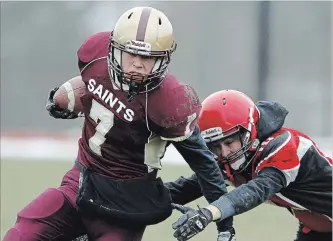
140,35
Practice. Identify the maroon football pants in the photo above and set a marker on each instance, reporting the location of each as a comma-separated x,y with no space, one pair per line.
53,216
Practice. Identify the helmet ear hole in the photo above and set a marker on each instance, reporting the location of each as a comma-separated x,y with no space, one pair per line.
159,21
129,16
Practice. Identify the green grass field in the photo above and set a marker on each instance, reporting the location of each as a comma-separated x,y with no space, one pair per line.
21,181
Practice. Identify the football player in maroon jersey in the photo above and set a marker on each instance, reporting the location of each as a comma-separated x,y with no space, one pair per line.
265,161
133,109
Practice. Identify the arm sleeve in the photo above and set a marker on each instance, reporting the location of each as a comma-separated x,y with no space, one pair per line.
184,190
247,196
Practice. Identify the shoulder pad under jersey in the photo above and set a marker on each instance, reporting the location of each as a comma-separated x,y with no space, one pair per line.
279,151
174,108
94,46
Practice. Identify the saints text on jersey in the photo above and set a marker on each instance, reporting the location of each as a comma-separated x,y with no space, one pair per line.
110,99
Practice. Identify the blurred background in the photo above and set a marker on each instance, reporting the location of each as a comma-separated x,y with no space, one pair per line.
269,50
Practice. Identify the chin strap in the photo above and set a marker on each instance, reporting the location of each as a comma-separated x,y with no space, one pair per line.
131,96
230,176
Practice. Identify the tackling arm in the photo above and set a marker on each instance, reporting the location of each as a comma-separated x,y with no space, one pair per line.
247,196
277,166
184,190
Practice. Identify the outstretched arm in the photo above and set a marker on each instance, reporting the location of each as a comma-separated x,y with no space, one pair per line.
268,182
245,197
184,190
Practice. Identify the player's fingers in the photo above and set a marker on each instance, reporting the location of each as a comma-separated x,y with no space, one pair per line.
180,222
182,232
52,92
51,109
72,116
57,113
177,234
49,105
67,114
181,238
54,89
180,208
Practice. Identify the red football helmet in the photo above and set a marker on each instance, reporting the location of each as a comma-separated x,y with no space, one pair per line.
226,113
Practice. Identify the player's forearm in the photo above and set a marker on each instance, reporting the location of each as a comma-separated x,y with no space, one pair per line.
248,196
202,162
184,190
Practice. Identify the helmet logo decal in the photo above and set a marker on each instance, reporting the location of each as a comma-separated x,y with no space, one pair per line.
137,45
212,134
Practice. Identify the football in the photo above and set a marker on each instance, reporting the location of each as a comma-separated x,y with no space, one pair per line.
68,96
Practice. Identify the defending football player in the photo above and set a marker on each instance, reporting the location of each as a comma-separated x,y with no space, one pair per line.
265,161
133,109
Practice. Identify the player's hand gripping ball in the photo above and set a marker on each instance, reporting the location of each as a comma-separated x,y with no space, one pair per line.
64,102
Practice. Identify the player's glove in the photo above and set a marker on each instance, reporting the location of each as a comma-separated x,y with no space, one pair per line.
191,223
55,111
227,235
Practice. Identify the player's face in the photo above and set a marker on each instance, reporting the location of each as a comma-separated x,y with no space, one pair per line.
226,147
137,64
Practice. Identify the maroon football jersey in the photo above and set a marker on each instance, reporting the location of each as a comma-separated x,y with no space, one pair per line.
121,138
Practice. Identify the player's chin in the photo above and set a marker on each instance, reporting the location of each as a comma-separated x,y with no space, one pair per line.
135,77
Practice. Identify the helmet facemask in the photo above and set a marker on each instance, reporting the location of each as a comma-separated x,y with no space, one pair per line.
239,160
135,84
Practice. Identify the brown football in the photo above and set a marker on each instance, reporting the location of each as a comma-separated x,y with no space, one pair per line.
68,96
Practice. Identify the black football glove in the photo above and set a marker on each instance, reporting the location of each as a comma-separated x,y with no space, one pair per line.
55,111
191,223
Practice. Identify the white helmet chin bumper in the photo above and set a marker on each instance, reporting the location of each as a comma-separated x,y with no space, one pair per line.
237,164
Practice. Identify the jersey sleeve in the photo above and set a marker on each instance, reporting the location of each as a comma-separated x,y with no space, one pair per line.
176,114
281,153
